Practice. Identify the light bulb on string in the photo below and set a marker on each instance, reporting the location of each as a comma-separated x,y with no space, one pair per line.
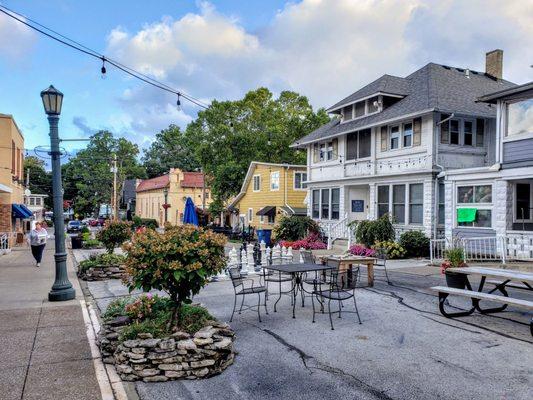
103,70
178,103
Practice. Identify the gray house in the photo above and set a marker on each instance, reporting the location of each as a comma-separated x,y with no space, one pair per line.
388,142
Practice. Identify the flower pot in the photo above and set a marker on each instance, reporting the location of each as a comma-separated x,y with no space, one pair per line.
455,280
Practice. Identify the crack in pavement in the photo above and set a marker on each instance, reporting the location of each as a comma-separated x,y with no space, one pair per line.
453,326
320,366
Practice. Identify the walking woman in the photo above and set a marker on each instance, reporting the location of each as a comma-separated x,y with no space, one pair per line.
37,240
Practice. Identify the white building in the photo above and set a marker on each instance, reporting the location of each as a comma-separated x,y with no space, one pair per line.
35,203
391,139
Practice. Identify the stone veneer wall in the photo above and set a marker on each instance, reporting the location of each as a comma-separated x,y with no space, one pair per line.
102,273
180,356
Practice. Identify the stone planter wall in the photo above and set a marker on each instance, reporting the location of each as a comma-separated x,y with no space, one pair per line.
180,356
102,272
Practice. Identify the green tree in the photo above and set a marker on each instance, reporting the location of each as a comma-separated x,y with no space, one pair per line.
170,149
40,179
229,135
88,179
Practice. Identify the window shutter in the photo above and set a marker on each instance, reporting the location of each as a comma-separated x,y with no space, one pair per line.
384,138
315,153
335,145
444,129
480,132
417,131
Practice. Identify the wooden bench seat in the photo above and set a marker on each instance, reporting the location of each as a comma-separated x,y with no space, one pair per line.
485,296
511,284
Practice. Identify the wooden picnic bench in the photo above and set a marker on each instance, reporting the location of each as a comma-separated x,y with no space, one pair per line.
511,278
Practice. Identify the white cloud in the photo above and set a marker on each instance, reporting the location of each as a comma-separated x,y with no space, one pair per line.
16,40
325,49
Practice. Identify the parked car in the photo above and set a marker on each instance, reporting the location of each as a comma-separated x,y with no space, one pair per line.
74,226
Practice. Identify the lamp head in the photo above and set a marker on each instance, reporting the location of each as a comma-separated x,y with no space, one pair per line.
52,100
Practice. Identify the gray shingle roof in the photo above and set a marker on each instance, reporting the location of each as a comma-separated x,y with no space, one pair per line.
433,87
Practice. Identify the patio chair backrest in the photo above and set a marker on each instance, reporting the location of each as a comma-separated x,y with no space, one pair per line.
276,260
333,262
236,277
344,280
381,258
307,256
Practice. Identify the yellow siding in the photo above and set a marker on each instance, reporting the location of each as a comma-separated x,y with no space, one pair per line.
267,197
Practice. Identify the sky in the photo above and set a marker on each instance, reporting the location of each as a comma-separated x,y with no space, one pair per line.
323,49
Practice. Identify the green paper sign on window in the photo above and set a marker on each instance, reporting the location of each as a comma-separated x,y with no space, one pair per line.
466,214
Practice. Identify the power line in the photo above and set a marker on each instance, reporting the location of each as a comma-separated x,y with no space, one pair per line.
54,35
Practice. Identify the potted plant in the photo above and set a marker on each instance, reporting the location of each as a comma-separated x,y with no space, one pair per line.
455,258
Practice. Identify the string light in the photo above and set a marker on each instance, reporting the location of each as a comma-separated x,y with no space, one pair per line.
103,70
178,103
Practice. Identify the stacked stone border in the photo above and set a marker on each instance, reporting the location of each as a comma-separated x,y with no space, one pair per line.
102,272
180,356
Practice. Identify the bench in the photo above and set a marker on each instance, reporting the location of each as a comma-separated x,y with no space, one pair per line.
510,284
444,291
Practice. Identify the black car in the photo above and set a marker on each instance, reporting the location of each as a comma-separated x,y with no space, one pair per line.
74,227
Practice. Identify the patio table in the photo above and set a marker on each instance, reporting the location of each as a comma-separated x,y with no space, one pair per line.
347,262
296,270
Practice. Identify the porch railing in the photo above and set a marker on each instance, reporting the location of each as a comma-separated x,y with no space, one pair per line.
488,248
518,246
5,243
337,230
437,250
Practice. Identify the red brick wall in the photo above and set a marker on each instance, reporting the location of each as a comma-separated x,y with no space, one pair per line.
5,218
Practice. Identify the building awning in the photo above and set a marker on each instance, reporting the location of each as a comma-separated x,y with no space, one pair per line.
301,211
20,211
268,210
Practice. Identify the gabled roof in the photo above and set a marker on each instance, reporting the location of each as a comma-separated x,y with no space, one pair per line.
250,173
433,87
159,182
192,180
387,84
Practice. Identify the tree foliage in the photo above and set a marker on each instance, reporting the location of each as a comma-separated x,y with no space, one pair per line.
170,149
113,234
87,177
295,227
40,179
229,135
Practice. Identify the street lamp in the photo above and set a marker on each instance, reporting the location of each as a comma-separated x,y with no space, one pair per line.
165,193
62,288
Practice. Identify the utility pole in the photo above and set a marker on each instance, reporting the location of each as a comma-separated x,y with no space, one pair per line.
203,190
114,203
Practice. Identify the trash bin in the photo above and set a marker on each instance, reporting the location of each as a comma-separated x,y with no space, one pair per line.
264,235
76,242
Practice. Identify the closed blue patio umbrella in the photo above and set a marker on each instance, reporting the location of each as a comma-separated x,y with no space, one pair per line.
189,215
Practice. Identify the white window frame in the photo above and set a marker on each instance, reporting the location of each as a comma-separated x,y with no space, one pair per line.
250,215
505,123
479,206
406,203
404,135
272,182
302,180
253,183
518,220
461,132
366,100
395,135
330,204
473,133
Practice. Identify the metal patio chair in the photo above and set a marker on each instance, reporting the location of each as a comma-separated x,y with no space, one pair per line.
242,290
276,277
341,287
381,261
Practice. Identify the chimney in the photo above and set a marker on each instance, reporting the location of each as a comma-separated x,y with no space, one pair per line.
494,63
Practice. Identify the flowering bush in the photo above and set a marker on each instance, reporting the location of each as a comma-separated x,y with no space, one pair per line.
311,242
178,261
360,250
113,234
390,249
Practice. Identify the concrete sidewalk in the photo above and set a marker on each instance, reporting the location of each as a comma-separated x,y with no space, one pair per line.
44,350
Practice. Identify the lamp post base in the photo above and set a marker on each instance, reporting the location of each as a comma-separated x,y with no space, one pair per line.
61,295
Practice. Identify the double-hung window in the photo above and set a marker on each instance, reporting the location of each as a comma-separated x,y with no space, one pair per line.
454,131
315,207
474,206
383,200
358,144
394,140
257,183
335,203
398,204
299,179
441,204
325,203
416,203
274,180
468,137
407,134
325,151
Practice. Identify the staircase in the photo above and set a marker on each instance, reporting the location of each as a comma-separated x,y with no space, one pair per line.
338,233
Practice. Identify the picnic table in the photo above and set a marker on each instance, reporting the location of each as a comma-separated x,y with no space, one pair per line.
347,262
507,279
296,270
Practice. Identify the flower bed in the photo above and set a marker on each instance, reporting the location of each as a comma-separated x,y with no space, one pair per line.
311,242
136,339
102,266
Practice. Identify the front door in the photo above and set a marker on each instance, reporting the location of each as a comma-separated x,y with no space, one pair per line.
358,199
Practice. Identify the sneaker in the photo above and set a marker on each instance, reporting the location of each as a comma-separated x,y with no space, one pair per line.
38,265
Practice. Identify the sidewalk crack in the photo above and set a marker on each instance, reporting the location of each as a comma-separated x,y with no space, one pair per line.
31,353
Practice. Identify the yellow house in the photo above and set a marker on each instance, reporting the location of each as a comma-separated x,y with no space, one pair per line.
11,176
150,195
268,192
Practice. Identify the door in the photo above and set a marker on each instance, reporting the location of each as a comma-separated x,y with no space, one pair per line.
358,199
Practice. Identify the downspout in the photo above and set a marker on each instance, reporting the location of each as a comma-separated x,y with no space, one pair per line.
436,200
286,185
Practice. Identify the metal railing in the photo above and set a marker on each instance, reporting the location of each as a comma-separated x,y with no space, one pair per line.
437,250
488,248
5,243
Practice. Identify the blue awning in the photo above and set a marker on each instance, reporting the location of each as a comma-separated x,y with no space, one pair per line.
20,211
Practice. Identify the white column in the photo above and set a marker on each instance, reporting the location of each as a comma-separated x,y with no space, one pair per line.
502,198
429,218
372,201
449,210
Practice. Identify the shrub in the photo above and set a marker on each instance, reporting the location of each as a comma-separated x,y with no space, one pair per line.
102,260
113,234
117,308
146,222
178,261
415,243
379,230
390,249
295,227
85,230
92,244
360,250
311,242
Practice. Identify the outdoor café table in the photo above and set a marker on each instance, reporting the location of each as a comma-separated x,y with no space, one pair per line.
296,270
347,262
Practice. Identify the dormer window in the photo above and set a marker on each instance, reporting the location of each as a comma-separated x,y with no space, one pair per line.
361,108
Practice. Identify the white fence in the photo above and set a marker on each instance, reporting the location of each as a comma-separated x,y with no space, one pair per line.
5,245
511,247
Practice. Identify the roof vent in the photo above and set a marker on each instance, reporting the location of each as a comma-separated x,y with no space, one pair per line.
460,69
446,67
467,73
